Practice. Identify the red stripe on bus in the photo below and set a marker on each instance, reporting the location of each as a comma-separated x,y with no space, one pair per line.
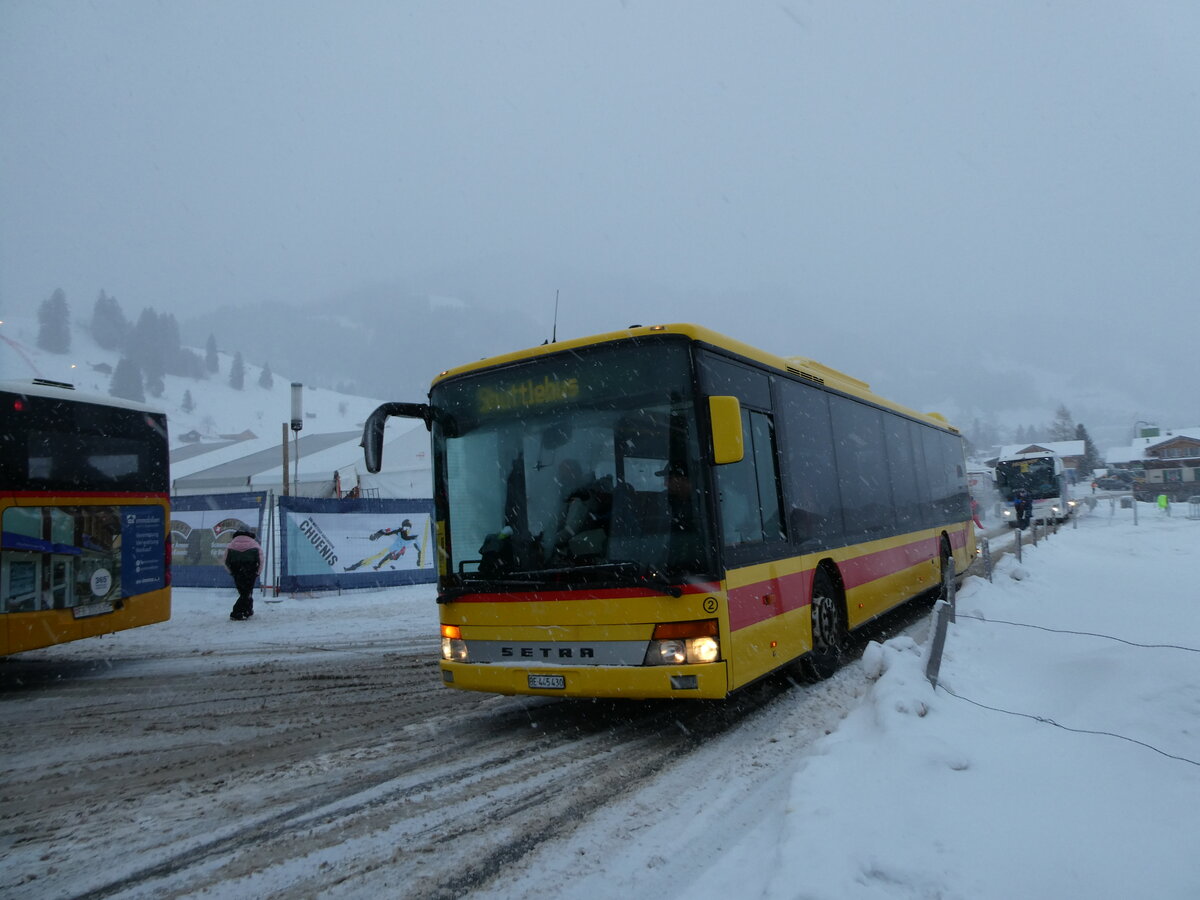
753,603
865,569
757,602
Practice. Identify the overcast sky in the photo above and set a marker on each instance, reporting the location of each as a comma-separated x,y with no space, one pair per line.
856,181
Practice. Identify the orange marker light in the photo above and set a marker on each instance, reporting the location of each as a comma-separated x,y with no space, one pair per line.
676,630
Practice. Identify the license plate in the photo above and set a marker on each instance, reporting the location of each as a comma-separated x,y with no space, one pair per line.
548,682
92,609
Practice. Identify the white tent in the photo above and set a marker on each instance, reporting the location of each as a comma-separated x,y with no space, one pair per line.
406,471
327,463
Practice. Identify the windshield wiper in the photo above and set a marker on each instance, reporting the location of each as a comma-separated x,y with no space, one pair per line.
648,575
641,574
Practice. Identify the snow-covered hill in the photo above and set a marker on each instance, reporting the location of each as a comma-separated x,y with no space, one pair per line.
217,407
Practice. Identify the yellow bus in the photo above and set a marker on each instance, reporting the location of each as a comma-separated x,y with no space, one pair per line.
84,508
665,512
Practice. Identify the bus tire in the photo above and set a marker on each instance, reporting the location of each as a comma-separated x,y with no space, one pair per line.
828,628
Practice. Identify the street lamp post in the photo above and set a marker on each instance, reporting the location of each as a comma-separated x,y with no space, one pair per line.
297,425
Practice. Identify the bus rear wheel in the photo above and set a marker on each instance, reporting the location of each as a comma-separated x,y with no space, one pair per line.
828,629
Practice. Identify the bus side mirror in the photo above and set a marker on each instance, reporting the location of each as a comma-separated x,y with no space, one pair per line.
725,414
372,441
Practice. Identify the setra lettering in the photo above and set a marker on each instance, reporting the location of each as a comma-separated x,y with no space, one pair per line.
548,652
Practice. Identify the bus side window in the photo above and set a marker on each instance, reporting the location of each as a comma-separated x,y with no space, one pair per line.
751,507
814,505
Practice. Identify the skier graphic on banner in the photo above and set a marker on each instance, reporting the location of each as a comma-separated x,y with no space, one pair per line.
402,537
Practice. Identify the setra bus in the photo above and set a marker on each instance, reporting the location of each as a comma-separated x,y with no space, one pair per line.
84,508
665,512
1040,474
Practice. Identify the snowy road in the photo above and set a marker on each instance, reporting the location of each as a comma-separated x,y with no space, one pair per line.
309,765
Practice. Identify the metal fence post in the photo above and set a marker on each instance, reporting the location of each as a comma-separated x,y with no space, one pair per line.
950,588
934,663
1017,545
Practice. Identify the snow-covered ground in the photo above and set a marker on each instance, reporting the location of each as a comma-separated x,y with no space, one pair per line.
1059,756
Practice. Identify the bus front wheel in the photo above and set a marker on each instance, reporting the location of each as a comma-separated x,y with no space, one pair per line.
828,628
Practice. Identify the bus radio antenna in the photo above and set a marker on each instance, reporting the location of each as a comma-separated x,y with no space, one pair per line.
554,327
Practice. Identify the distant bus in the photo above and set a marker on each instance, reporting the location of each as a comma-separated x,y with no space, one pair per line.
665,512
1041,474
84,510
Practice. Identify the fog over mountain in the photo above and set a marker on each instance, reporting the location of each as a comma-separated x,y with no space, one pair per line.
376,341
391,340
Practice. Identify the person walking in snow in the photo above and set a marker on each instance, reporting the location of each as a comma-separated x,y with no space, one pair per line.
244,560
1023,505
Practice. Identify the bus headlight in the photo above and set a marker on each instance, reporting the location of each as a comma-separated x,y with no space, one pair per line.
703,650
667,653
684,643
454,648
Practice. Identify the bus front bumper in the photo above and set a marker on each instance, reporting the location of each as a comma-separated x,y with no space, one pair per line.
708,682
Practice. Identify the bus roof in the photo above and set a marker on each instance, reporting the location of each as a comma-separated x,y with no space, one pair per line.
61,390
804,367
1030,454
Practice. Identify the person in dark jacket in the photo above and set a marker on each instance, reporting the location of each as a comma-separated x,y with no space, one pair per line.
244,560
1023,505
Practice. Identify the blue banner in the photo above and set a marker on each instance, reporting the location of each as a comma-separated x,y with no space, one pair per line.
332,543
202,526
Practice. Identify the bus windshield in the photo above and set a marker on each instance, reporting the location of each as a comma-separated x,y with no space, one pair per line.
1034,475
600,480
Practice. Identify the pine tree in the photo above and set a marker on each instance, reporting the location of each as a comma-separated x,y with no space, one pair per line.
172,346
1063,428
127,381
211,362
1091,456
110,328
155,386
189,364
237,372
147,344
266,379
54,321
188,404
